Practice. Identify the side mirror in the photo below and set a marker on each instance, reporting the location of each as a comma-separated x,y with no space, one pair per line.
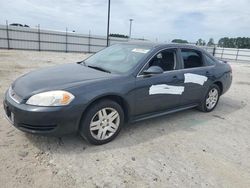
153,70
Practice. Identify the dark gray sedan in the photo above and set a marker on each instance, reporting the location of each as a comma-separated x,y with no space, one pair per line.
122,83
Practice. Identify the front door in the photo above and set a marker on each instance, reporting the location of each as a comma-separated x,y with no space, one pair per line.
161,91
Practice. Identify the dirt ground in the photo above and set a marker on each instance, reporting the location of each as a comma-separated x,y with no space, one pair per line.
186,149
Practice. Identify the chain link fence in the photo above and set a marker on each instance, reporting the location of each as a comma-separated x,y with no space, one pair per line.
24,38
234,54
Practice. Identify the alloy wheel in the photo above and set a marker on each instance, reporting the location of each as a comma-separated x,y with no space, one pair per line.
212,98
104,123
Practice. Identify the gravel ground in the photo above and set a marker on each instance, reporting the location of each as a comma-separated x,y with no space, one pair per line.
186,149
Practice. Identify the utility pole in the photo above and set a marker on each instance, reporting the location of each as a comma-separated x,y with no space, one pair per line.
108,23
130,27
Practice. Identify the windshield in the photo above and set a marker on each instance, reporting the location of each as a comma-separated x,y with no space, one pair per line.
119,58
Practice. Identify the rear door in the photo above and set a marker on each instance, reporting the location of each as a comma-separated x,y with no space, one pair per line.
197,75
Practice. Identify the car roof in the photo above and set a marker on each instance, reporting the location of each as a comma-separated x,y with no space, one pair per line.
164,45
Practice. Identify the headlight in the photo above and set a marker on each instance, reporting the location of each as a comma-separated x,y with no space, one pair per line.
51,98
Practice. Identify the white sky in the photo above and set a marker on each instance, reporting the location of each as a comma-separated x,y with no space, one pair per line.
161,19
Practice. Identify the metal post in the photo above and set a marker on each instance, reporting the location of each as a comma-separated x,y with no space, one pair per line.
108,23
214,50
89,41
237,54
7,32
130,27
222,52
66,39
39,38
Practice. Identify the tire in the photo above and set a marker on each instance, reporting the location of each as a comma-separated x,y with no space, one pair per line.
98,125
204,106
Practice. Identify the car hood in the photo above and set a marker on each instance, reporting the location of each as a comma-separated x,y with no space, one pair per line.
56,78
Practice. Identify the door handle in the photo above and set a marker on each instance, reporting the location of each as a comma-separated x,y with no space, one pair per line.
208,74
176,79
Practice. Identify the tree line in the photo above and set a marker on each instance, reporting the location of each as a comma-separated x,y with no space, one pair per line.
239,42
200,42
226,42
118,35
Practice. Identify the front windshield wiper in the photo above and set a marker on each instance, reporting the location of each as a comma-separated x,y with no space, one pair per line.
81,63
99,68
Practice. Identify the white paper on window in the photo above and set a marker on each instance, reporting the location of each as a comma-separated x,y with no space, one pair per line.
195,78
166,89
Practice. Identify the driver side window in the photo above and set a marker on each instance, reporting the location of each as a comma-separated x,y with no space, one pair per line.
165,59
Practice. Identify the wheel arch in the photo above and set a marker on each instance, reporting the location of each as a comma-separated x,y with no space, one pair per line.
220,85
114,97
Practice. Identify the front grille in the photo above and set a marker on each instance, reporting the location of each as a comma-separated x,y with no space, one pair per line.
14,96
37,127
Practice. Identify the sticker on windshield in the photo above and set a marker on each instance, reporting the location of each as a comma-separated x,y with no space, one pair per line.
140,50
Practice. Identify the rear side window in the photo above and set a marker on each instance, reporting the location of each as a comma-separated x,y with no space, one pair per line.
191,58
209,60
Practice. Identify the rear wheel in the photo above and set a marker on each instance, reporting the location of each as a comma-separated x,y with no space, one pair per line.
211,99
102,122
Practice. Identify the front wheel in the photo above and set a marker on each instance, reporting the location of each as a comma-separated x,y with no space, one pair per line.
102,122
211,99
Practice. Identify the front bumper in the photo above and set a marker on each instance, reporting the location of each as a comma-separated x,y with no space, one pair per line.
54,121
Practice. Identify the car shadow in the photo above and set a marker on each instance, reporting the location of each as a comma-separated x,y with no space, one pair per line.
141,132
